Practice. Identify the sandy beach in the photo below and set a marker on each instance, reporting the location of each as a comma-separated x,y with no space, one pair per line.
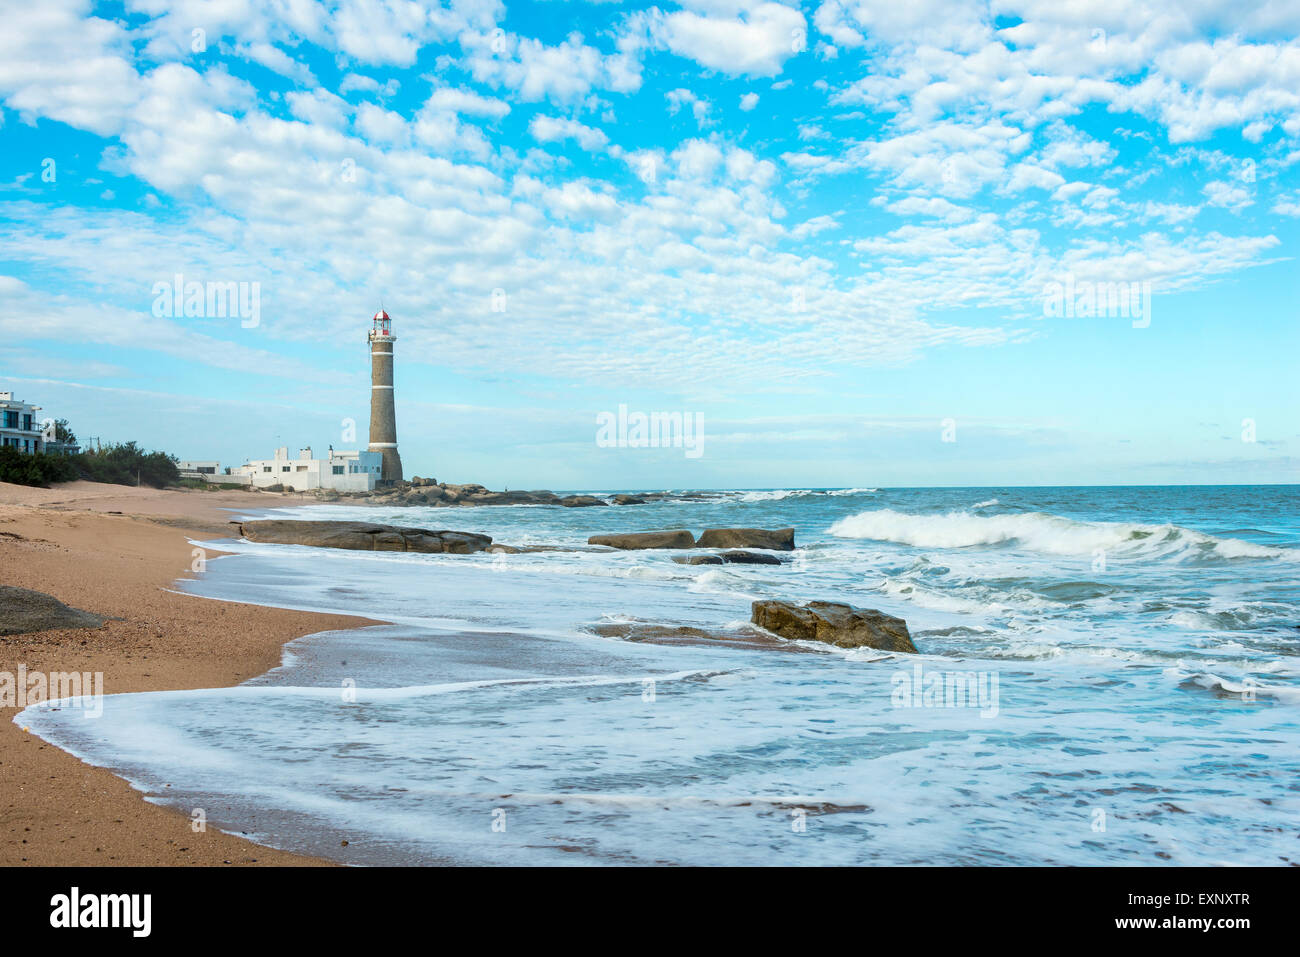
115,550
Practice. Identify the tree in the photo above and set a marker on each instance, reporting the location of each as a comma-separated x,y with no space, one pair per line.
62,433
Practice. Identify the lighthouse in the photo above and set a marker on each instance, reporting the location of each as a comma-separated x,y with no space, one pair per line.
383,415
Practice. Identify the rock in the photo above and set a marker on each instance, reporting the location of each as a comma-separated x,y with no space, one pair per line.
679,538
363,536
656,633
781,539
646,631
580,501
749,558
834,623
512,498
23,610
468,490
628,500
729,558
503,550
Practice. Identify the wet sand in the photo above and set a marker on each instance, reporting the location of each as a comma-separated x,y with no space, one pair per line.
115,551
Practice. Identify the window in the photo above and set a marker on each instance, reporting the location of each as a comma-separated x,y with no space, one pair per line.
266,468
284,468
11,420
27,422
338,470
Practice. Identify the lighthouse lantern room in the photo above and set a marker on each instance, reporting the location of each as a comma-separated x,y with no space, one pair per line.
383,327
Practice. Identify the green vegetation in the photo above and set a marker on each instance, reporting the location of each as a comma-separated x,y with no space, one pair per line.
26,468
124,464
62,433
127,464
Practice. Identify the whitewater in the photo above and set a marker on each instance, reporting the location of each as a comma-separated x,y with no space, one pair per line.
1142,643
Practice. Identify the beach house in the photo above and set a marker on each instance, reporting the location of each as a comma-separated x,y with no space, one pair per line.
351,471
18,424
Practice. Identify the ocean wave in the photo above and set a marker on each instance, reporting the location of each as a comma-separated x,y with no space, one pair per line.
1246,689
776,495
991,502
1049,534
969,600
1246,617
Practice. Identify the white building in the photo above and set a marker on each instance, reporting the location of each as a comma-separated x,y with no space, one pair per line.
342,471
18,424
199,469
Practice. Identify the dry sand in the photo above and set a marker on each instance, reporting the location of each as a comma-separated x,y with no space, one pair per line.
113,550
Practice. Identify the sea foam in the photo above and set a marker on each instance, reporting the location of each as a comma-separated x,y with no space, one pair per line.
1042,532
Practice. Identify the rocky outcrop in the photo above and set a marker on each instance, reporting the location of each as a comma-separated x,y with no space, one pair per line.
679,538
363,536
428,492
780,539
833,623
729,558
581,501
23,611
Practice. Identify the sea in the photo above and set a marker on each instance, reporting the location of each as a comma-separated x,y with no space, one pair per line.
1105,676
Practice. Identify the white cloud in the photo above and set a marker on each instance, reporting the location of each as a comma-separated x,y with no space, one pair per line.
564,73
549,129
92,88
700,107
450,100
754,41
1231,196
693,264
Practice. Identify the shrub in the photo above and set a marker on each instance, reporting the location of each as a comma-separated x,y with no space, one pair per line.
127,464
34,468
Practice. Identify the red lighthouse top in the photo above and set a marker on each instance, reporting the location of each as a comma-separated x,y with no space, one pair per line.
383,325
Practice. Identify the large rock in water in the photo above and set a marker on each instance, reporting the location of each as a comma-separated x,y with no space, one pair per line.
729,558
780,539
679,538
23,611
363,536
580,501
833,623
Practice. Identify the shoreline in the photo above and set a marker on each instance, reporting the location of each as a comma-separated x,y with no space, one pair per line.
117,551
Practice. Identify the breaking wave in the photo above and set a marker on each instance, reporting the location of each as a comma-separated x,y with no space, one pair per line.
776,495
1049,534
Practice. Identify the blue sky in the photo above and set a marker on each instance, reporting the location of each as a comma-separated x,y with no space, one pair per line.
825,228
